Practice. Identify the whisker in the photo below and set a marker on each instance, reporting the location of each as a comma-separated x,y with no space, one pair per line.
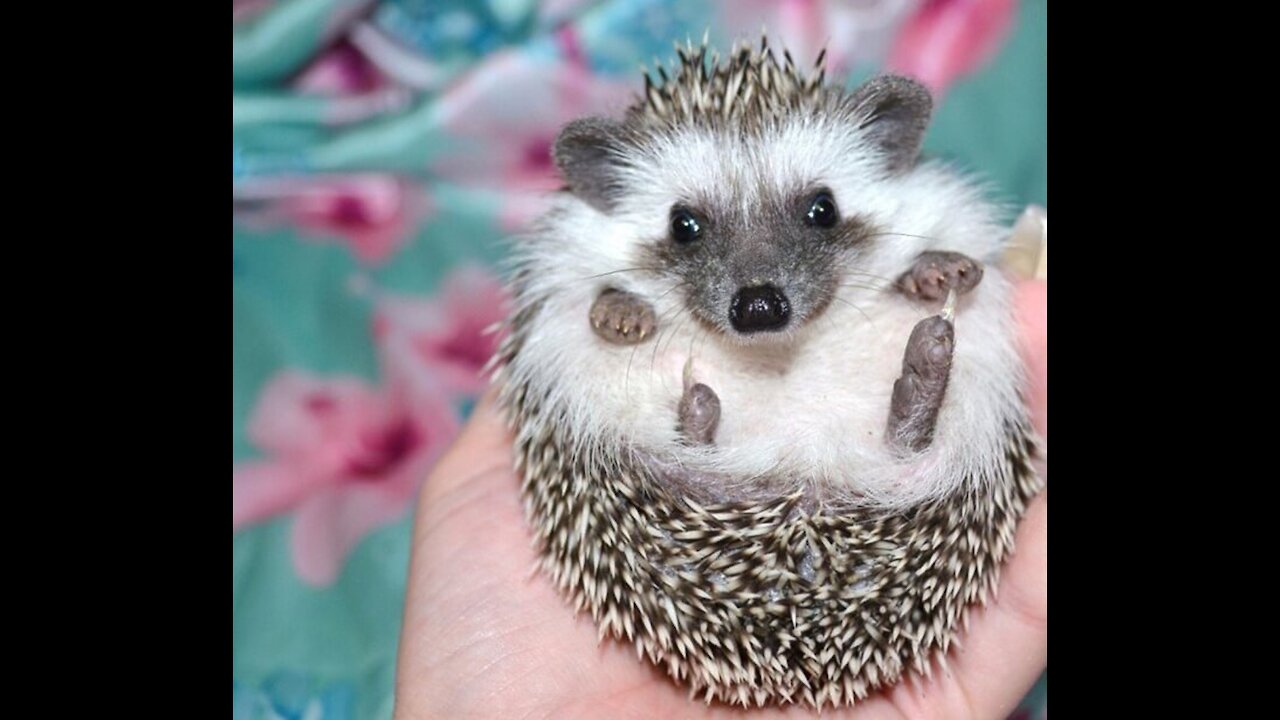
657,341
662,327
672,288
653,360
626,379
623,270
683,320
660,321
703,335
869,275
855,307
862,274
918,237
865,286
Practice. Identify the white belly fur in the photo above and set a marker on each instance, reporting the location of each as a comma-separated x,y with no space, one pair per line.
814,411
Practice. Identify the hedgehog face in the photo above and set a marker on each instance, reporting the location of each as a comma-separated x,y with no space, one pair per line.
756,202
760,269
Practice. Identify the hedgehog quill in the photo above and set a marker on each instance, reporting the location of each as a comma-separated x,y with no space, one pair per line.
763,381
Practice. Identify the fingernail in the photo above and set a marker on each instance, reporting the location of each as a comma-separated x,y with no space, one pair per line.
1026,255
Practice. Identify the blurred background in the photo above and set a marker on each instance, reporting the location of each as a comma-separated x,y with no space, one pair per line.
382,152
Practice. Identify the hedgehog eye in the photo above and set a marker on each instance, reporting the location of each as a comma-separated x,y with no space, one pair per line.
685,228
822,211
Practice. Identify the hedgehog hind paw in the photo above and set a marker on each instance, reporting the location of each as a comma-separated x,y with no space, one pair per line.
918,393
699,414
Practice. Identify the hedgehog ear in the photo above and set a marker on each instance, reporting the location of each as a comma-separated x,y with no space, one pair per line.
894,111
589,155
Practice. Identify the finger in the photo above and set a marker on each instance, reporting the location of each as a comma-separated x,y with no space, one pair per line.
1004,652
483,445
469,556
1031,298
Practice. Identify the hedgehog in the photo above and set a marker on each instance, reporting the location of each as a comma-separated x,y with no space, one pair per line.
762,379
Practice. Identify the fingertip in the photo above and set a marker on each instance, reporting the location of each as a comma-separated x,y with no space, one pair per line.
1031,298
483,444
487,404
487,418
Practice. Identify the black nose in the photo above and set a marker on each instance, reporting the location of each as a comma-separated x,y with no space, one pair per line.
759,308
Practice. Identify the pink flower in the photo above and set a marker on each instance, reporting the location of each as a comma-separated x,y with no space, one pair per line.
243,11
372,214
950,38
504,118
448,338
345,457
851,32
341,70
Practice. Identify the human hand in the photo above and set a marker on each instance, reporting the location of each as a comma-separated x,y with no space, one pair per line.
485,636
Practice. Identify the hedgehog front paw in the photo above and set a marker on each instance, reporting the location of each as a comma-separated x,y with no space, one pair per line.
934,273
699,414
622,318
917,395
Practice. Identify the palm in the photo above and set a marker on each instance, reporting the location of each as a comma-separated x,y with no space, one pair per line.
484,635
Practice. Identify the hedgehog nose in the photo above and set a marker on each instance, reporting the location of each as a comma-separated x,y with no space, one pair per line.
757,309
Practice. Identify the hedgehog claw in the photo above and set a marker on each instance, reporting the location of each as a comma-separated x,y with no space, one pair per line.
934,273
622,318
918,393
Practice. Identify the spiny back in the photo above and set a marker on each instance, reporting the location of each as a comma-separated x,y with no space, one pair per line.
749,89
